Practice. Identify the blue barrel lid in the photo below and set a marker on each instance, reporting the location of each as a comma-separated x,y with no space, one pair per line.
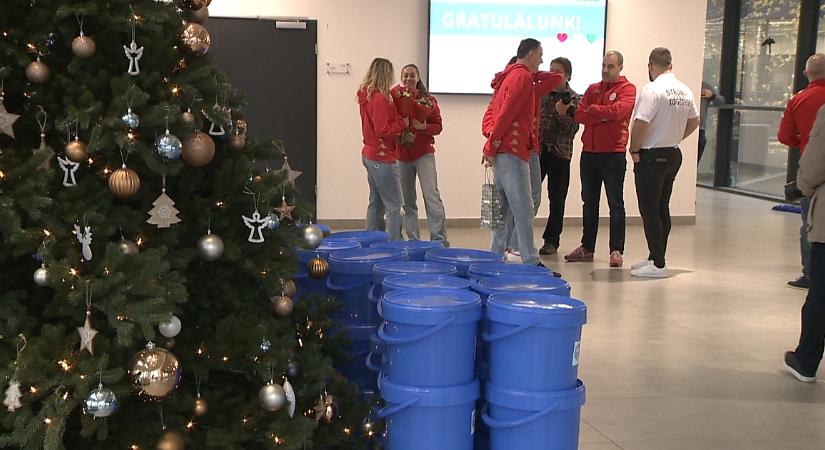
359,261
326,248
464,255
520,283
431,306
536,401
365,237
394,282
325,229
412,244
552,311
495,269
385,269
432,397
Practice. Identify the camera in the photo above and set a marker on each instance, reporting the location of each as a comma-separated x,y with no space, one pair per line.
565,97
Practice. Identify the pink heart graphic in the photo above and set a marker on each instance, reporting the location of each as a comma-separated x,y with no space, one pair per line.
562,37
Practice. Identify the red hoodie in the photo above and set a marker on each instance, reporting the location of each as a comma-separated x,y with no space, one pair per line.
429,114
798,119
512,115
605,110
380,125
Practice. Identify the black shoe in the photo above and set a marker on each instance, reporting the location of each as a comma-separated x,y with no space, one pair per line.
800,283
548,249
556,274
539,264
793,366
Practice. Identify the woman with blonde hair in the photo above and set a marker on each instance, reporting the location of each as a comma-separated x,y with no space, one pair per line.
416,154
381,125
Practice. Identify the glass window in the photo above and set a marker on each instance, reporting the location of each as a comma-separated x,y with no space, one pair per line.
710,75
767,54
820,37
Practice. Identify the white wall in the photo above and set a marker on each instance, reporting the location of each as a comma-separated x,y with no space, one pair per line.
356,31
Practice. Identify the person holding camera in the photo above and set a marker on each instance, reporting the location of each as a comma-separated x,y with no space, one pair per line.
794,130
557,129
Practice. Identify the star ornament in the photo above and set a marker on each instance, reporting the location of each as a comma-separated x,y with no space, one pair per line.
284,210
291,175
7,119
87,335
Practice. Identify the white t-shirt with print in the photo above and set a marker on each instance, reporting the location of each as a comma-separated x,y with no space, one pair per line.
666,104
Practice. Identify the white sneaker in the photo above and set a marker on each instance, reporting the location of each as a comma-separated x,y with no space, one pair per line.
649,271
640,264
512,257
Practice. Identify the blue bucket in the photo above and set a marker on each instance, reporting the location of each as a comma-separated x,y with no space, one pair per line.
462,258
416,250
497,269
430,336
534,340
529,420
520,283
375,358
366,238
429,418
306,285
383,270
349,281
325,229
394,282
358,348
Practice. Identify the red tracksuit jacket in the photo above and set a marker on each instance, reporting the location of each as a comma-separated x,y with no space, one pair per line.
798,119
605,110
512,116
380,125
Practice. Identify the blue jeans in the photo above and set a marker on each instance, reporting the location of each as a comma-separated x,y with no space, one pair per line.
804,245
424,167
385,197
535,191
513,185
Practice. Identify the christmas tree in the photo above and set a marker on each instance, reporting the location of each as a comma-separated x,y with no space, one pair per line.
145,258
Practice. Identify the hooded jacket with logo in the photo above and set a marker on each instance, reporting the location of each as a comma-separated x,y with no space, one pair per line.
605,110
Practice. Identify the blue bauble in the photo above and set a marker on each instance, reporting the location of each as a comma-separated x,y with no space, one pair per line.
272,222
169,146
131,119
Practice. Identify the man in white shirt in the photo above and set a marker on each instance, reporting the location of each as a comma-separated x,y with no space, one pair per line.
665,115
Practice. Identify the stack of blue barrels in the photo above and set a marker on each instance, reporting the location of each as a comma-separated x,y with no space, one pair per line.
306,285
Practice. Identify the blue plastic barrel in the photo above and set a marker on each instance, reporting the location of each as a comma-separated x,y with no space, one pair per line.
325,229
534,340
529,420
430,336
365,237
462,258
306,285
520,283
429,418
497,269
375,358
394,282
383,270
415,249
349,281
355,369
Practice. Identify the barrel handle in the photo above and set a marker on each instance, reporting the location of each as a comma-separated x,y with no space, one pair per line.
392,340
371,294
335,287
386,412
370,364
493,423
489,338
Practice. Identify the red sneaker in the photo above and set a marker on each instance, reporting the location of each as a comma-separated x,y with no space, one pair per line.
616,259
578,255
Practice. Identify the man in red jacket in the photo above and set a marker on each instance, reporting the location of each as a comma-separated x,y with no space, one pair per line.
604,110
794,130
510,128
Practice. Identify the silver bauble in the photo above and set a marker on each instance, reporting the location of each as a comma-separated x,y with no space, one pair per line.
100,402
170,328
169,146
41,276
155,372
312,236
130,119
210,247
37,72
272,397
266,345
128,247
83,46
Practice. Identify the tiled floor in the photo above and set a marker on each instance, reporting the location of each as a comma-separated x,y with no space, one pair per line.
693,362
